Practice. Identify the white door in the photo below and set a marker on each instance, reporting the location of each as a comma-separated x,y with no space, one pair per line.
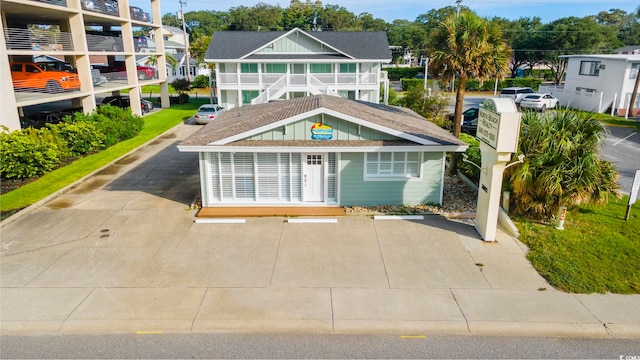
313,177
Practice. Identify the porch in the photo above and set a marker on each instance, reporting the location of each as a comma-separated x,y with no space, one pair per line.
269,211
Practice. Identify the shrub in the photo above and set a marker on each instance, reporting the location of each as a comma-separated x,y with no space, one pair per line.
201,82
181,85
397,73
473,155
81,137
521,82
409,83
433,107
115,123
30,152
562,166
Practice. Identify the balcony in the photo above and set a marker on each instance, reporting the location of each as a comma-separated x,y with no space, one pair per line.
298,80
38,40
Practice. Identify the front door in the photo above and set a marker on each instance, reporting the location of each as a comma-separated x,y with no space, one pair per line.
313,178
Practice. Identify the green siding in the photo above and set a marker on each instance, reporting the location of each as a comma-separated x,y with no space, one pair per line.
296,43
342,130
355,191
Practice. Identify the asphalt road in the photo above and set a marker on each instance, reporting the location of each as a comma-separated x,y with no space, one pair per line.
292,346
622,147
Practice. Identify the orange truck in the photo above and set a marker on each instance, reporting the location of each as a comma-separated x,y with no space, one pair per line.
33,76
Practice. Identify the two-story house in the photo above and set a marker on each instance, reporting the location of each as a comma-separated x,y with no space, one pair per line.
254,67
599,82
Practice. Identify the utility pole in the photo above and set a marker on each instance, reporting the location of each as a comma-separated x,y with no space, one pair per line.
186,40
458,2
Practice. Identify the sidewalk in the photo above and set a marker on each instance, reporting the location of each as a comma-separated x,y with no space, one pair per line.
120,253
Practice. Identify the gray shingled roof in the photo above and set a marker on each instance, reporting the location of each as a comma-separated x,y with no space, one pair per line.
246,118
230,45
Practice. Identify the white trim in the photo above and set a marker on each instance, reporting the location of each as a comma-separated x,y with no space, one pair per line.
391,177
300,61
336,149
444,160
287,34
260,130
220,221
312,221
380,128
321,111
398,217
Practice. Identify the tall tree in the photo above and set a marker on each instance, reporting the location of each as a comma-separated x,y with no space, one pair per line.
199,47
466,45
301,15
573,35
521,36
368,23
336,18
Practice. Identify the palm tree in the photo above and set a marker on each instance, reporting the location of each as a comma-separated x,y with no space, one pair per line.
562,166
466,45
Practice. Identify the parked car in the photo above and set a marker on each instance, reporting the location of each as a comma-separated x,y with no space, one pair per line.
516,93
97,78
119,71
36,77
104,41
139,14
109,7
540,102
123,101
140,42
207,113
469,120
57,66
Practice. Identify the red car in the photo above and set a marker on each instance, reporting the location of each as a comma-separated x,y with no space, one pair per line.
120,72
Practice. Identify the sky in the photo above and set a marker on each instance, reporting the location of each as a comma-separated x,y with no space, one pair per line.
389,10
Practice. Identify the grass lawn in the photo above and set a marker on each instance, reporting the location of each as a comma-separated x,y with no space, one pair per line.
597,252
154,125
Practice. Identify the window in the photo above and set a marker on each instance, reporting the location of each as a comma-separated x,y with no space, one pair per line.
388,165
590,68
254,177
634,70
348,68
248,95
321,68
249,68
275,68
585,89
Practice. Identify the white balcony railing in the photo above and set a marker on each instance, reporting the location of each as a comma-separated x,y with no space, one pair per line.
38,40
319,81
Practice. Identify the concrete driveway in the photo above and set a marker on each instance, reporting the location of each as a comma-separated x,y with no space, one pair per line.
119,252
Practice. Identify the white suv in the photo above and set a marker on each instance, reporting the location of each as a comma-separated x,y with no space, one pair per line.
516,93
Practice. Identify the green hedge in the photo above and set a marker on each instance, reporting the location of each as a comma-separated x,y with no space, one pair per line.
488,85
32,152
397,73
409,83
473,155
200,82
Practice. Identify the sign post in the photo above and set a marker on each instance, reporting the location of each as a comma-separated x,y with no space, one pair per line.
498,130
634,193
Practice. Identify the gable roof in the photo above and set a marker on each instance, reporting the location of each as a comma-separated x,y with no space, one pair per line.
604,57
233,45
628,49
173,29
235,125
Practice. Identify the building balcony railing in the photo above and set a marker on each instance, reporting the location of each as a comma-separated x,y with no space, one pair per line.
302,80
38,40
